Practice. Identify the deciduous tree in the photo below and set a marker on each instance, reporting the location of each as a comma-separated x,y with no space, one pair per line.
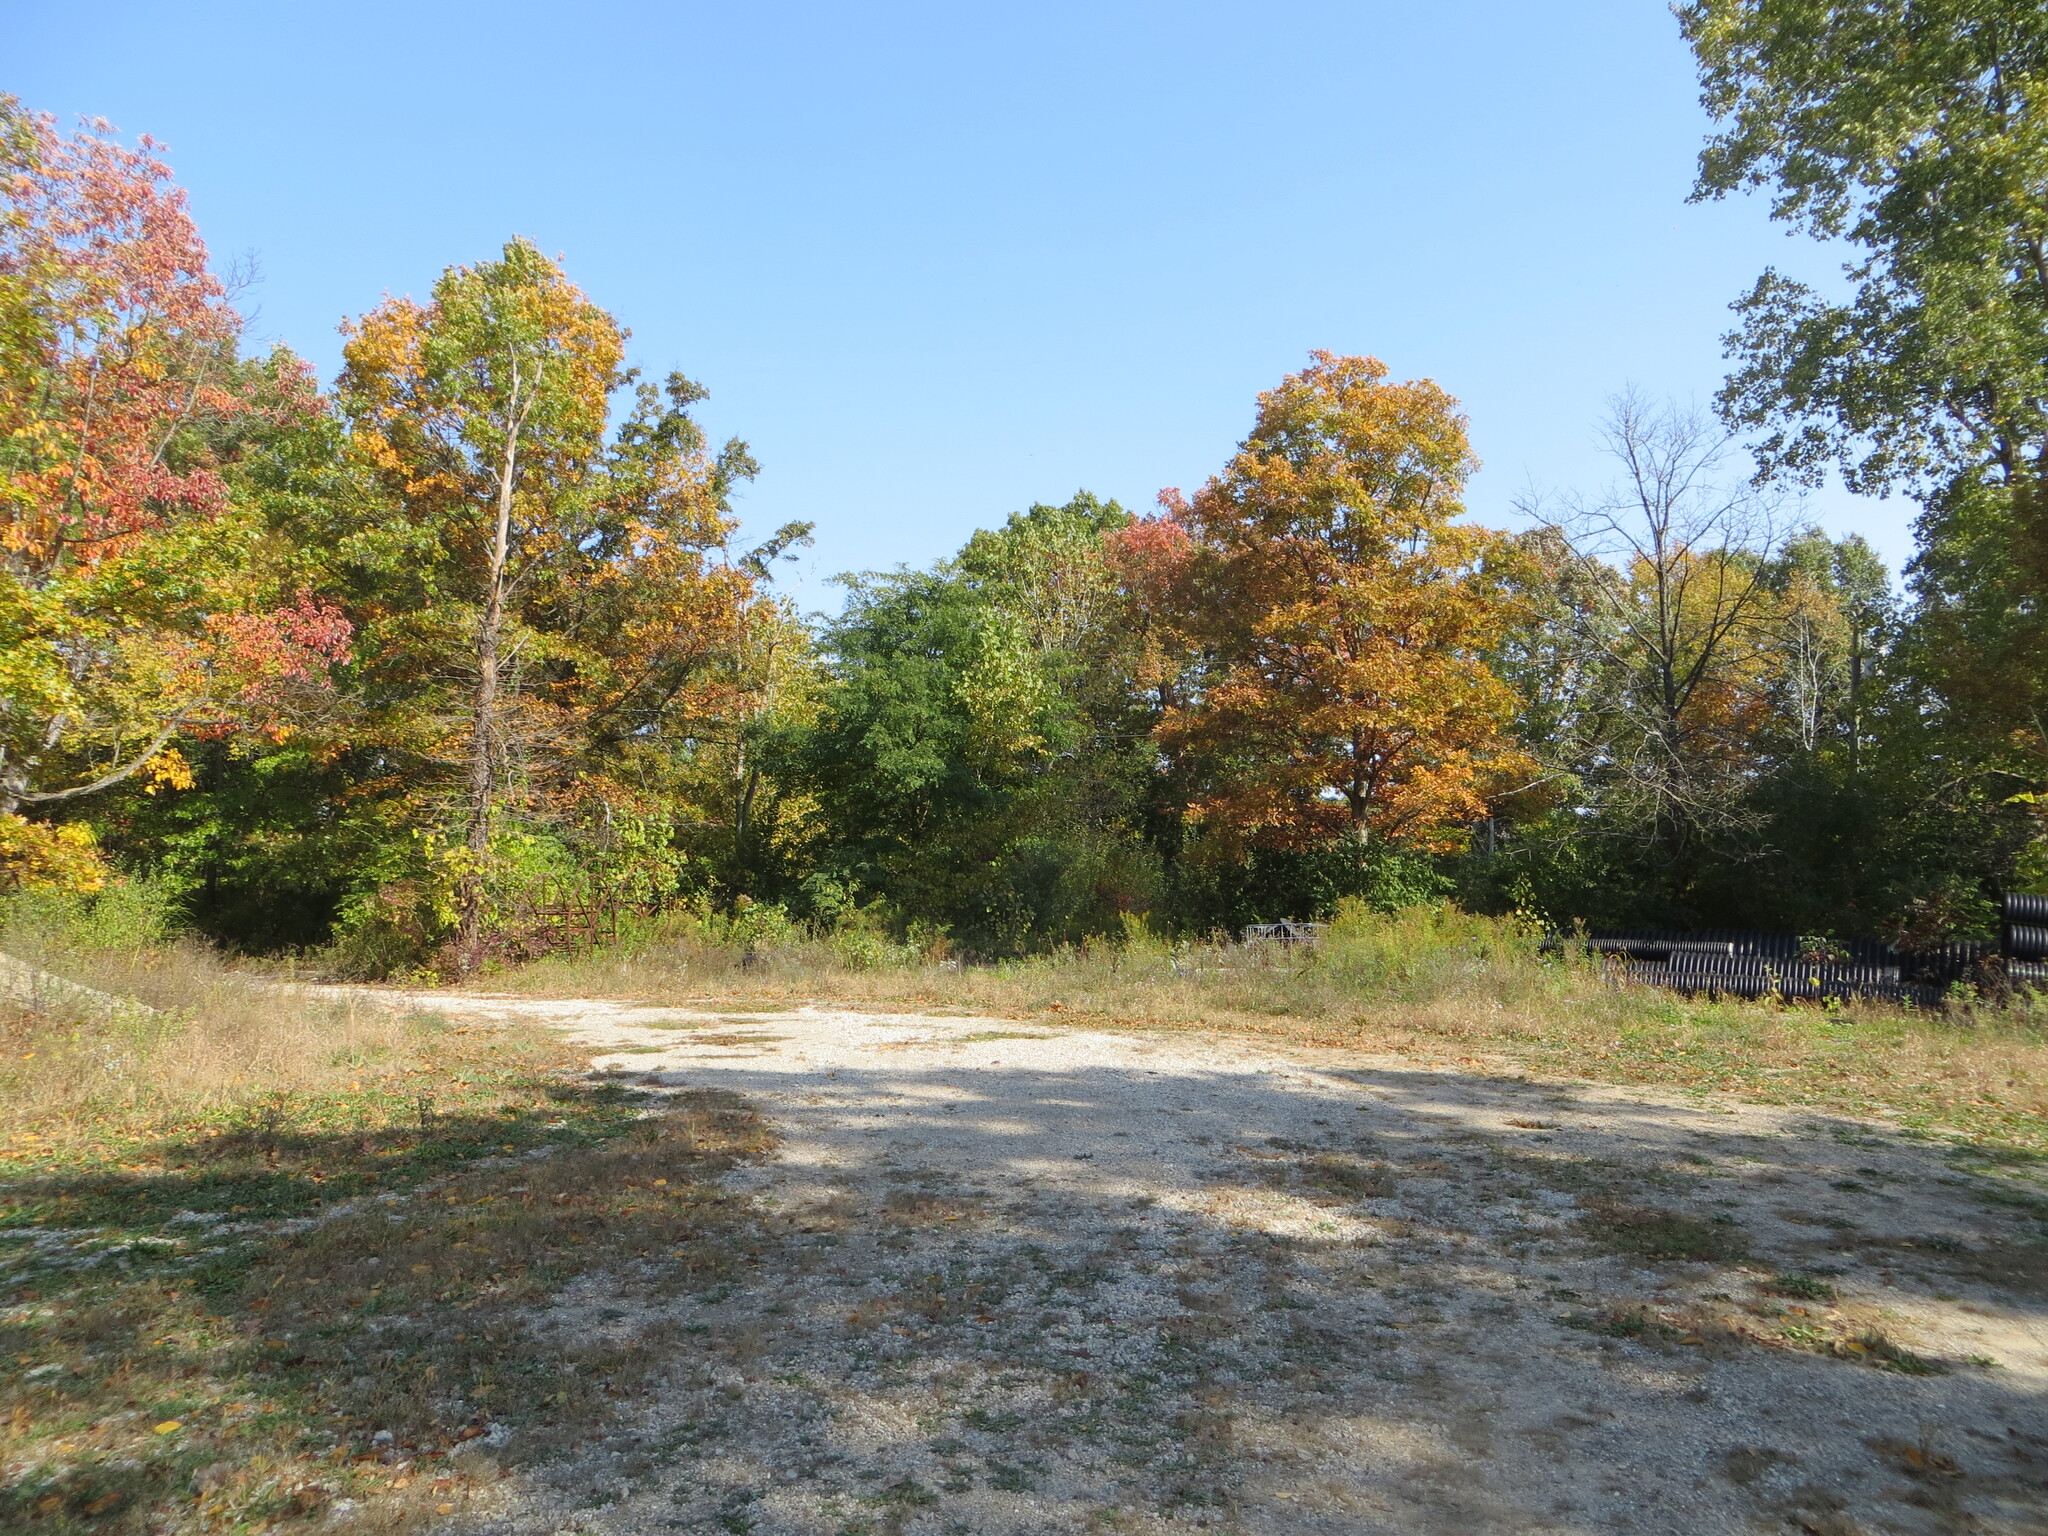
541,595
136,603
1918,134
1333,622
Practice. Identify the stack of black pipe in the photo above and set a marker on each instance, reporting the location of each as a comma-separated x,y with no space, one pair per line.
2023,936
1743,963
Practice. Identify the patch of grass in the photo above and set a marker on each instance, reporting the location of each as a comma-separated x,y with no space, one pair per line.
1843,1339
228,1313
905,1493
1800,1287
920,1208
2014,1200
1346,1177
1664,1235
1873,1348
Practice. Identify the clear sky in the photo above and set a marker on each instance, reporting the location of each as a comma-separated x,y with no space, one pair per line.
938,261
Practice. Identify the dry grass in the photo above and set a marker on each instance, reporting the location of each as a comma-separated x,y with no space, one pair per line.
1438,985
217,1038
276,1257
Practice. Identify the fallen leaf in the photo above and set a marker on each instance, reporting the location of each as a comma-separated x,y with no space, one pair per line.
169,1426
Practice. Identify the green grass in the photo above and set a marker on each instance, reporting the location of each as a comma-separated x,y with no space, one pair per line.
1661,1235
1800,1287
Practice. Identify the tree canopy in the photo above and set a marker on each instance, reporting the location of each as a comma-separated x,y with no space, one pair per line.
395,668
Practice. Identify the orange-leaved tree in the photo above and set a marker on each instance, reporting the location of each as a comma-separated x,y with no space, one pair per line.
138,602
1328,623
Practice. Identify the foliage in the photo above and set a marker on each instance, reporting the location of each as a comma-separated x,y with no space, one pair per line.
38,856
404,674
1329,623
119,915
1913,133
546,618
965,761
136,600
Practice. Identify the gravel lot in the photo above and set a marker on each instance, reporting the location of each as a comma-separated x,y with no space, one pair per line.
1025,1278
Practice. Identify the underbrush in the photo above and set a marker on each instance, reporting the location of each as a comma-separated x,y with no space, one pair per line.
1429,981
261,1255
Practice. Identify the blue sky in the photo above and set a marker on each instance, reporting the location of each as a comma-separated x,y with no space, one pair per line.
936,262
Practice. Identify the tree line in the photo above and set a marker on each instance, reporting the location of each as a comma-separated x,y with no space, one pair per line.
386,664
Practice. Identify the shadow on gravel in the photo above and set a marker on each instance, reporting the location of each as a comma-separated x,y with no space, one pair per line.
1126,1298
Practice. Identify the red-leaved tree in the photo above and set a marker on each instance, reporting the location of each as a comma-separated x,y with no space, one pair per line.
134,601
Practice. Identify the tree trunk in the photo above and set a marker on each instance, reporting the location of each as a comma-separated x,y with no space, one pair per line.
483,738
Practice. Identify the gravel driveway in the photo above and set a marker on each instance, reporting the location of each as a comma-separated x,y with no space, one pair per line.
1021,1278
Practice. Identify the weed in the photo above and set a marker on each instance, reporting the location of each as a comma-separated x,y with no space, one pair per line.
1800,1287
1621,1323
1656,1234
1872,1347
906,1493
